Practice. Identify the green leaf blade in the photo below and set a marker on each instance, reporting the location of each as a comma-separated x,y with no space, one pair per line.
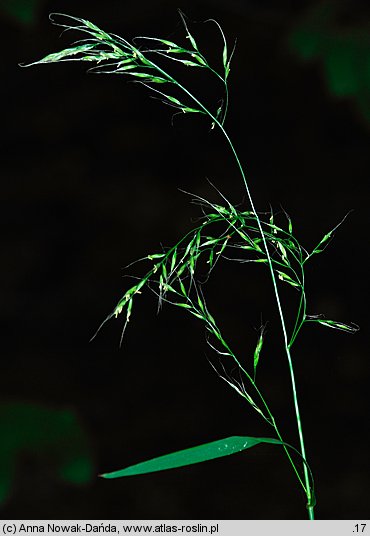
193,455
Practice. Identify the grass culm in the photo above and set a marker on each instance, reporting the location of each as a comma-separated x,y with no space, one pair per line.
223,231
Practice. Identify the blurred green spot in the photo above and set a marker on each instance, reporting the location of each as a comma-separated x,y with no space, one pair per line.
23,11
343,62
344,53
53,438
307,44
78,471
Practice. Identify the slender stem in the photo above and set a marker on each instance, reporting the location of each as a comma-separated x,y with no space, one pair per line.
299,320
282,440
282,320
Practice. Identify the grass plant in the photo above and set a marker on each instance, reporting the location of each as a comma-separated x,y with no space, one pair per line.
223,232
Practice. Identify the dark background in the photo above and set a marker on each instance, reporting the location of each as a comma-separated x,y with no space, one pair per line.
90,169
